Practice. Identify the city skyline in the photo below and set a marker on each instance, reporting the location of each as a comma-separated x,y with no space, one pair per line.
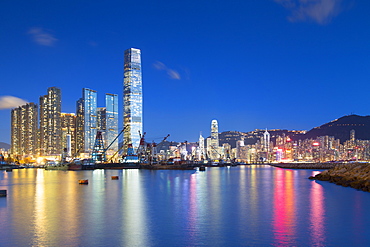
263,64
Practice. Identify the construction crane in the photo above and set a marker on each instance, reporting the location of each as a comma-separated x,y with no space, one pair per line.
106,149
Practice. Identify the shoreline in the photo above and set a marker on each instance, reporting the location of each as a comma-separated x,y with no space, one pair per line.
321,166
354,175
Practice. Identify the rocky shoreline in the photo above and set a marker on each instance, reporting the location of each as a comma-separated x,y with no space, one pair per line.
354,175
322,166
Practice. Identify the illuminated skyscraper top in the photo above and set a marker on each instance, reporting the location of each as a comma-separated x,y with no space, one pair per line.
132,98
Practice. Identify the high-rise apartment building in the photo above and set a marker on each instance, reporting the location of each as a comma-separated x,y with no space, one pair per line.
24,131
86,121
50,122
68,122
132,98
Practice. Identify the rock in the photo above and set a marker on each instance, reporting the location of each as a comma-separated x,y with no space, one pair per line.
354,175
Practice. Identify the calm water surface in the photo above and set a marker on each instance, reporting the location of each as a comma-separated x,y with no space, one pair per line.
235,206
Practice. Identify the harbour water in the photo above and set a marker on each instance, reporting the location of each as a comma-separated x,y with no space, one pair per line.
222,206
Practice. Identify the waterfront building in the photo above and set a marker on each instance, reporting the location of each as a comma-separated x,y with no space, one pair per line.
214,143
132,98
68,121
226,151
50,122
101,119
24,130
111,129
86,121
79,125
266,141
201,150
208,144
107,122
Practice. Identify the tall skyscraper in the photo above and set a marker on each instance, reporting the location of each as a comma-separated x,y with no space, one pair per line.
266,141
132,98
111,106
50,122
86,121
202,154
214,148
24,134
80,137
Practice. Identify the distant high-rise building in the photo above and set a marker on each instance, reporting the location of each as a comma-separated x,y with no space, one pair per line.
107,122
86,122
50,122
202,154
69,129
24,134
101,121
80,137
214,147
111,105
132,98
266,141
352,135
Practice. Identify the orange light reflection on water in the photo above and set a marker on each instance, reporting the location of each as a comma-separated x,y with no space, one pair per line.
317,213
283,215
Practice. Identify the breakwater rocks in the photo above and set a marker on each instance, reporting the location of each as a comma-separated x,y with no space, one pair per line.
322,166
354,175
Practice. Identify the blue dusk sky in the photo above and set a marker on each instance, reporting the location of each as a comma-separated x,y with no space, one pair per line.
250,64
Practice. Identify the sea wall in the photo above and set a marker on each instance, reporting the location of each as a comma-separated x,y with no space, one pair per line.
306,165
355,175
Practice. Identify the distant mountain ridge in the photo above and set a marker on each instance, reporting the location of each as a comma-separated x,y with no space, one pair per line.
4,145
340,128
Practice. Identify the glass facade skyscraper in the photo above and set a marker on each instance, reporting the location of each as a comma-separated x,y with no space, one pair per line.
90,105
132,98
111,114
86,120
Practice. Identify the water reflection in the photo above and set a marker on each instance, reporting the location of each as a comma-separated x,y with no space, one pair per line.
317,224
40,211
284,216
134,208
242,206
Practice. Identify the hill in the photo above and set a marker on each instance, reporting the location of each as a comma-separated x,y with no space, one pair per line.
4,145
340,128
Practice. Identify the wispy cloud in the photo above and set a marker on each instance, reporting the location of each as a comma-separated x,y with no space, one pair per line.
319,11
173,74
42,36
8,102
